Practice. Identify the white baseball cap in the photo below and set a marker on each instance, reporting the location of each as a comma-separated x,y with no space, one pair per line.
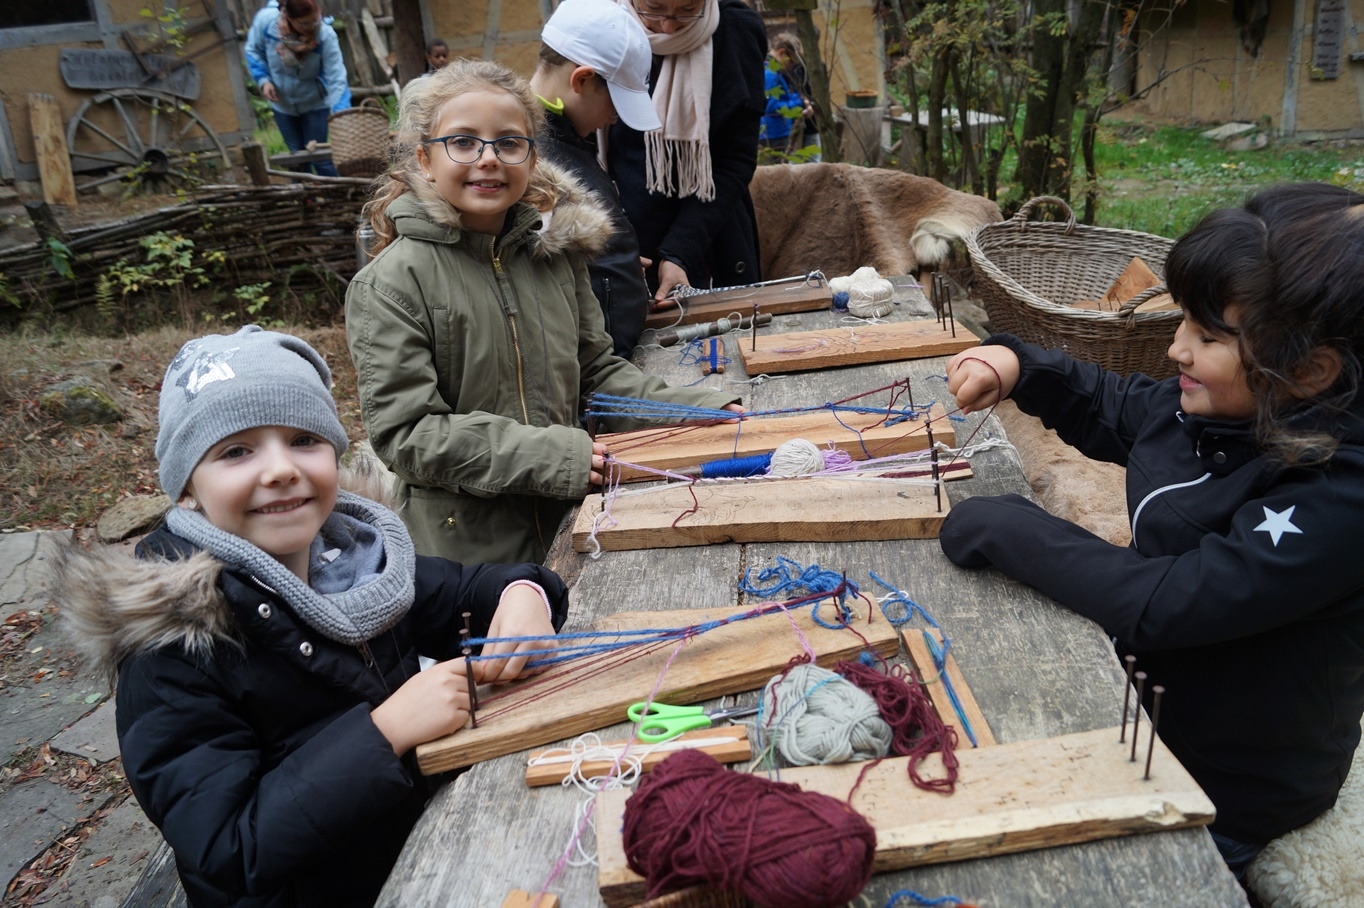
604,36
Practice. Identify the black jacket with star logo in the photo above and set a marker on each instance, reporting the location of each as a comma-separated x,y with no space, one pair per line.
1242,592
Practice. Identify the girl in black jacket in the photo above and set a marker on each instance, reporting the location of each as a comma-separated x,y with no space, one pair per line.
266,644
1243,590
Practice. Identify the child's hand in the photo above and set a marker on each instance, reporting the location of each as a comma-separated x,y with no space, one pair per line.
596,474
522,612
981,377
428,705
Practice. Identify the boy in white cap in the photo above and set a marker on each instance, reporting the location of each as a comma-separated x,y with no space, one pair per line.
594,68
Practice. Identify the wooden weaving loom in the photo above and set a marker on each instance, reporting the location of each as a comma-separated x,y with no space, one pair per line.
777,299
851,346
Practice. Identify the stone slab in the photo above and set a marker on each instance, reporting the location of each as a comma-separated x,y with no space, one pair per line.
93,738
1227,131
120,846
32,815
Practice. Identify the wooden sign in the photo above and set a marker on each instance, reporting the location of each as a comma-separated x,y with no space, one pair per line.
1327,31
851,346
1009,798
727,743
99,70
812,509
730,659
54,160
777,299
862,435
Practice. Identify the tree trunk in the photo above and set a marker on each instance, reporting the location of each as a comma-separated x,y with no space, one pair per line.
819,85
409,43
937,97
1039,118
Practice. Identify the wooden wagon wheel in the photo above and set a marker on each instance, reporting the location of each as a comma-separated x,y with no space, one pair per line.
144,138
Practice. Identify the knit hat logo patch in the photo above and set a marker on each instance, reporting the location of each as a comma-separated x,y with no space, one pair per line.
204,371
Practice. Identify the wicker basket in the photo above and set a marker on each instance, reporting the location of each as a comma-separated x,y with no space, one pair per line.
359,139
1029,273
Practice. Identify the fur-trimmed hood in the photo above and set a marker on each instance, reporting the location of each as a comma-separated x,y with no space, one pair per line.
114,605
578,223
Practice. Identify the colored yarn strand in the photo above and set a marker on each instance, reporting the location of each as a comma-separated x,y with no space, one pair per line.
916,898
917,729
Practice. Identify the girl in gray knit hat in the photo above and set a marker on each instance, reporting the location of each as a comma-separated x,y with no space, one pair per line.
265,644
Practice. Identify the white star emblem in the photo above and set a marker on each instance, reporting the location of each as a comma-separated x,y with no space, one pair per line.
1276,523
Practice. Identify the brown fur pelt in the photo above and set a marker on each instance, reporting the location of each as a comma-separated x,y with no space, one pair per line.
1067,483
838,218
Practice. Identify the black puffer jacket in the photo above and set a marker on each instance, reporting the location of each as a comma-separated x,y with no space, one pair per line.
715,241
617,277
1242,592
246,735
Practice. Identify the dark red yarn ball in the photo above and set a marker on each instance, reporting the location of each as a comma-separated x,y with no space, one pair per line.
693,822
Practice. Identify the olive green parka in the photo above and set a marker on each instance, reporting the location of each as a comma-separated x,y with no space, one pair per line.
475,355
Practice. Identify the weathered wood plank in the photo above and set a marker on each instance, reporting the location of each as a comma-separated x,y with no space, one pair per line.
861,435
728,744
775,300
765,510
853,345
922,658
54,159
726,660
1010,798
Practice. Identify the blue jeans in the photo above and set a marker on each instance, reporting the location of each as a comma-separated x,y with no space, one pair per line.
298,130
1237,855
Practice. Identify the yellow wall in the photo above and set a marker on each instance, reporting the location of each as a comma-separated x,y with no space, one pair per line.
1214,79
511,35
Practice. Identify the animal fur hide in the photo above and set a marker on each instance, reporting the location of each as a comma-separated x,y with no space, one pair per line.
838,217
1318,865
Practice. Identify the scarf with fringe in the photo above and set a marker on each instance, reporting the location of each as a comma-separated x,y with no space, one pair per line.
678,155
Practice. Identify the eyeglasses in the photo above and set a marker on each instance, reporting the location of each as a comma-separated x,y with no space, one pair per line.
657,17
464,149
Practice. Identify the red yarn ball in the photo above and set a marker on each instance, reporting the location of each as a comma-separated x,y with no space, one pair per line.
693,822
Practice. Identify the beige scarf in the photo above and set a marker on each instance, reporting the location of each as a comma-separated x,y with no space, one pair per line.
678,155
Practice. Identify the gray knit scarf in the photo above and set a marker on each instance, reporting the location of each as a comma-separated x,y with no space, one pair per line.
357,593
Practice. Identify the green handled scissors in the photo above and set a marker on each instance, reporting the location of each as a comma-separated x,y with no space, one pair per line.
662,722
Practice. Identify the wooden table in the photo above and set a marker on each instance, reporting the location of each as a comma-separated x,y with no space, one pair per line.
1036,670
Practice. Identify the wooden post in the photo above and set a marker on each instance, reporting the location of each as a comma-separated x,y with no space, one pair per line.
253,155
54,159
409,44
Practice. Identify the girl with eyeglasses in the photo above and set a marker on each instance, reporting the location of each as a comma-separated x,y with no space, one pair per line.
475,332
685,186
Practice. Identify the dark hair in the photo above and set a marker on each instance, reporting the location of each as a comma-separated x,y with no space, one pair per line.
549,58
435,43
1291,262
300,9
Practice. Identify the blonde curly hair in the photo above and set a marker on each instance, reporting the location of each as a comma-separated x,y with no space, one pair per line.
422,100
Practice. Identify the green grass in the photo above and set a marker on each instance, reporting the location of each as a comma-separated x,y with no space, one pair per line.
1162,179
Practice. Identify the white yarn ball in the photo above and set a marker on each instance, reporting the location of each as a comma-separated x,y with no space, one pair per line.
865,273
796,457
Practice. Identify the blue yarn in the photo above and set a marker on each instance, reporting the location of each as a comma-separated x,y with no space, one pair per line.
737,466
840,301
788,577
920,899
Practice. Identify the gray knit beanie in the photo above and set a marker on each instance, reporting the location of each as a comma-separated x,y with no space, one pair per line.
220,385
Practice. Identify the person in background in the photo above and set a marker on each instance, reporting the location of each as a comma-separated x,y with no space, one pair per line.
437,55
1242,592
780,124
593,67
266,639
295,58
786,47
685,186
474,330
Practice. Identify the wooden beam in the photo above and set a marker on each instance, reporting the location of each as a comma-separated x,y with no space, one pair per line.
851,346
54,158
862,435
821,509
1012,797
519,898
376,42
408,40
730,659
937,692
777,299
728,744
